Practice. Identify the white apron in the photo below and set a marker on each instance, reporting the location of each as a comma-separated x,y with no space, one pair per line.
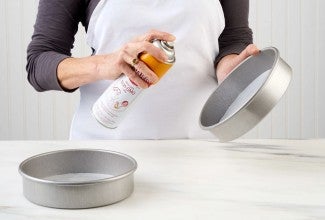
171,108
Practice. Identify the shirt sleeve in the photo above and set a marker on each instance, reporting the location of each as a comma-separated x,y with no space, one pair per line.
237,34
54,30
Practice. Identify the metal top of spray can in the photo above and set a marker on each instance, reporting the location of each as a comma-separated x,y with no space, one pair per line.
167,47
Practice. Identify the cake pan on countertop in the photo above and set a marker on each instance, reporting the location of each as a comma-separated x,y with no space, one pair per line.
78,178
246,96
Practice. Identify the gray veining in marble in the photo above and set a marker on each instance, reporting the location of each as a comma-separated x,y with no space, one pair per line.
184,179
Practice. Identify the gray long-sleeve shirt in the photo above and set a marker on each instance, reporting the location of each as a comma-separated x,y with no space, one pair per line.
57,23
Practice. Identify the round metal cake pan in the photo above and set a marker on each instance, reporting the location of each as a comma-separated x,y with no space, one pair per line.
78,178
248,115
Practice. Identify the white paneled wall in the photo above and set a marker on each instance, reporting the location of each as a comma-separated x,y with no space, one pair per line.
295,27
25,113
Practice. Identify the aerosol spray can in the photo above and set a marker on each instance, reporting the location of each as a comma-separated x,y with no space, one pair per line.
115,102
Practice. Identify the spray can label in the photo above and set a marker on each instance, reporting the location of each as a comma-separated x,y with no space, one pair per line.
113,104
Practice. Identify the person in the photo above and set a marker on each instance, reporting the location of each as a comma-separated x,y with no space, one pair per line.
211,37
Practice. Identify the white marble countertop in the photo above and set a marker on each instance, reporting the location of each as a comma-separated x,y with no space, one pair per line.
187,179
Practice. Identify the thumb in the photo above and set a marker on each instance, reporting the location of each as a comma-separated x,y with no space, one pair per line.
248,51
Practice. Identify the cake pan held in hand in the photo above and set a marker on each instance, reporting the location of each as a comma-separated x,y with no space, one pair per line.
246,96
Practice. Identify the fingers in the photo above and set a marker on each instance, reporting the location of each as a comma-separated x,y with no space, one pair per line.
154,34
228,63
138,71
248,51
146,73
130,73
134,49
135,69
252,49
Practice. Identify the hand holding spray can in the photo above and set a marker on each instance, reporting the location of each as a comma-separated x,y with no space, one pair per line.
113,104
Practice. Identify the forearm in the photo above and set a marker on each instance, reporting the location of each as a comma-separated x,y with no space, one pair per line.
52,40
75,72
237,35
